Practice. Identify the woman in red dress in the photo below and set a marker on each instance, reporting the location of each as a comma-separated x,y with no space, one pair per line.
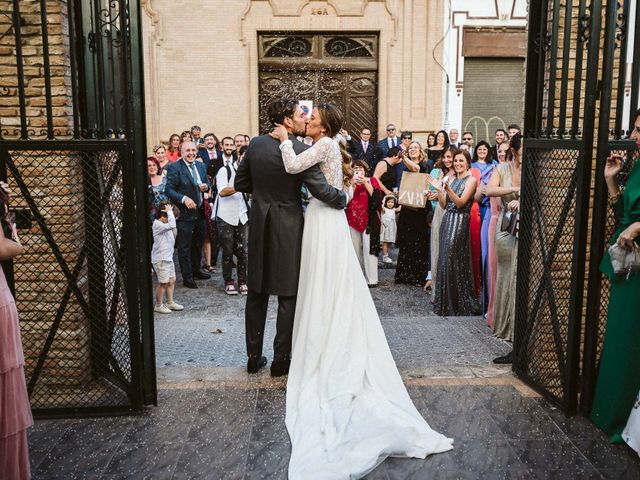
475,227
15,411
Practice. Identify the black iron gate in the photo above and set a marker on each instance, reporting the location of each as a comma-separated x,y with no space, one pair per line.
578,103
72,148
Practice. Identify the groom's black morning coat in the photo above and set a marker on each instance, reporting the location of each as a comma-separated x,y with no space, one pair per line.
276,221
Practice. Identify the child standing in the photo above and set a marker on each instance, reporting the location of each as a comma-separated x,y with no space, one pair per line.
389,226
164,239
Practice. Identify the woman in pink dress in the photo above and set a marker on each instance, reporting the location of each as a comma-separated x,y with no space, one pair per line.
15,412
496,208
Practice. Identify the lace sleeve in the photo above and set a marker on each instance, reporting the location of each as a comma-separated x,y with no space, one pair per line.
299,163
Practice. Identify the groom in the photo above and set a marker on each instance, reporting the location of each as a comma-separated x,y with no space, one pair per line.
275,232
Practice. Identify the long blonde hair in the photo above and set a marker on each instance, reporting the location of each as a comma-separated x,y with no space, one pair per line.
331,118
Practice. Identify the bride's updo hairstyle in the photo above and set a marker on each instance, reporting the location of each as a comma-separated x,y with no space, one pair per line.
331,119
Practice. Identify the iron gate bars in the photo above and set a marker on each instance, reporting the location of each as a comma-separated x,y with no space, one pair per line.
78,96
576,110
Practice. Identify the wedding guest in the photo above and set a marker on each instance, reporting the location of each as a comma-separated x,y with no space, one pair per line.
475,227
453,137
364,149
454,287
196,138
405,141
164,239
501,137
467,141
15,410
485,166
619,372
443,170
161,155
231,211
431,140
505,183
385,170
173,151
389,229
363,216
186,184
186,137
442,143
158,183
412,238
387,143
513,129
496,208
211,155
239,141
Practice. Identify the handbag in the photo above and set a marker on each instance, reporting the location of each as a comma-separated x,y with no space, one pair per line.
412,192
624,262
510,222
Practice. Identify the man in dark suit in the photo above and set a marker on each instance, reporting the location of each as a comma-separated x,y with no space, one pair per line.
391,140
364,149
275,232
501,137
186,183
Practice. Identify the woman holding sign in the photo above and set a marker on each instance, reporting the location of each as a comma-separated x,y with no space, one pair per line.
412,237
455,295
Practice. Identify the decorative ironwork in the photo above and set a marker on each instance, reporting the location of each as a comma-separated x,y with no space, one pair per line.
293,46
349,47
91,224
584,28
577,90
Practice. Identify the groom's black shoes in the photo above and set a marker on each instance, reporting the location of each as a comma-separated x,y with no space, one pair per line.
255,363
280,368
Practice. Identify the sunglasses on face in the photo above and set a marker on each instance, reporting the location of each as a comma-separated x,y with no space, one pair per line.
467,139
391,129
406,138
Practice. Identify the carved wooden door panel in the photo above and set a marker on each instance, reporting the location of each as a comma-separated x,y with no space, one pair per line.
353,92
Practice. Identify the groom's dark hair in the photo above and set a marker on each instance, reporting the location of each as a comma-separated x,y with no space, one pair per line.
281,108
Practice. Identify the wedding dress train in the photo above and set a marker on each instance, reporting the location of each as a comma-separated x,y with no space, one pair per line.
347,407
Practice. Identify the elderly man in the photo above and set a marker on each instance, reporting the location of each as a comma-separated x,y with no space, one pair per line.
390,141
454,136
186,183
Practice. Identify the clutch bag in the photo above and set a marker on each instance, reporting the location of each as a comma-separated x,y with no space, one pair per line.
625,262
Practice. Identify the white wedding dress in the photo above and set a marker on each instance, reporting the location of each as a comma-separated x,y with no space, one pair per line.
347,407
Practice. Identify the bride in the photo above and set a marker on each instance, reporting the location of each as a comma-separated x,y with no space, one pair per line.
347,408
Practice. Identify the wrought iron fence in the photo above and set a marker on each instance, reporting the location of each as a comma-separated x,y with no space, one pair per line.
577,109
72,147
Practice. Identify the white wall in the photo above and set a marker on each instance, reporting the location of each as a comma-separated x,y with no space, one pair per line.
461,13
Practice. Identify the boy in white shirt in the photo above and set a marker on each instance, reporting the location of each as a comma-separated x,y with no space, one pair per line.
164,240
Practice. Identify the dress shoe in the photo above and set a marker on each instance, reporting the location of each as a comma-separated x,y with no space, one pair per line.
280,368
201,275
190,284
255,363
508,358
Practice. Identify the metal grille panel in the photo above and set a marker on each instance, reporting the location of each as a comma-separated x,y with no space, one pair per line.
74,309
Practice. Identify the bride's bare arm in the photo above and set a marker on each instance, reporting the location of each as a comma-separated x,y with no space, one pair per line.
293,163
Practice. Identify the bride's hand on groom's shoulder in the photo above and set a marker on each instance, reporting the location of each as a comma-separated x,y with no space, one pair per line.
279,133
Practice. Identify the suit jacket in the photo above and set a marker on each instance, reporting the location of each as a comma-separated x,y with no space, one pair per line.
383,147
276,221
180,183
211,167
358,153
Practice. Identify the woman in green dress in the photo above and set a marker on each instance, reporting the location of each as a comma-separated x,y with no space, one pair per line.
619,374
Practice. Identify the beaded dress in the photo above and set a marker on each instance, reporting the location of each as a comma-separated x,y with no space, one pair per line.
455,293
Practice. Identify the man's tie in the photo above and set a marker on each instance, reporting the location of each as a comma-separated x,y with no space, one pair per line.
393,141
192,167
364,146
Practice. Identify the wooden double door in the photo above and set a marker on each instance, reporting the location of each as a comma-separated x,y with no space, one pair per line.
355,93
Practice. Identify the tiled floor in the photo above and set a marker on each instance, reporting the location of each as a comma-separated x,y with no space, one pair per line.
239,433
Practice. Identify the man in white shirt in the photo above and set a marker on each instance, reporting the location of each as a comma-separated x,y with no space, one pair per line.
231,212
454,135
